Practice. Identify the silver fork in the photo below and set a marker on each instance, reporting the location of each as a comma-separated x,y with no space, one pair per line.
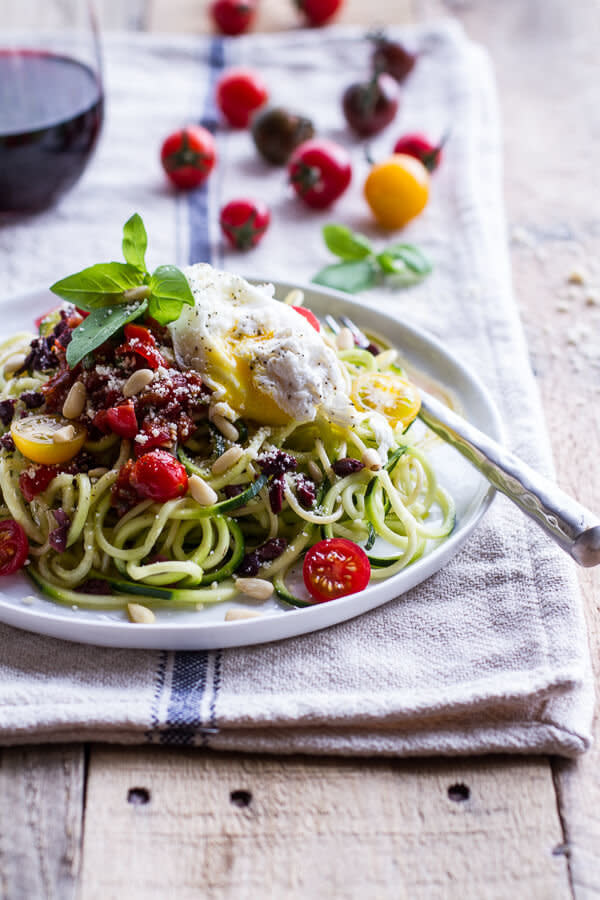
570,525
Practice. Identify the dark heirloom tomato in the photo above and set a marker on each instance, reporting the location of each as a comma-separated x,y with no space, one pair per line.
188,156
240,92
159,476
371,105
320,171
309,316
14,546
334,568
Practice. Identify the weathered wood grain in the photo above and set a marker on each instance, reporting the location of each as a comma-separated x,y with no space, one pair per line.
41,808
548,70
226,826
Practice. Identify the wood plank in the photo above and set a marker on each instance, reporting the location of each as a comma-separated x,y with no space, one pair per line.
222,826
548,71
191,16
41,806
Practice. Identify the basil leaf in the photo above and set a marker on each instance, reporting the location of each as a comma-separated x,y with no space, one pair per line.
345,243
135,242
98,286
399,273
350,277
413,258
169,291
98,327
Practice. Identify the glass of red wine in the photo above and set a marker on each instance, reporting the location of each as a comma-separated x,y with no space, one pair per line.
51,99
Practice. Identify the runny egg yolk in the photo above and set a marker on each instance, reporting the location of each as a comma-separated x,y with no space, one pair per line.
229,368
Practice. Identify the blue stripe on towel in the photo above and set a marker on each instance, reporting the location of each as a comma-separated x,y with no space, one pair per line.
190,672
198,204
184,719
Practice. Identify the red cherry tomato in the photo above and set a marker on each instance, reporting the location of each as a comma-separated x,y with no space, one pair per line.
122,421
320,171
14,546
318,11
159,476
239,93
421,148
309,316
188,156
243,222
334,568
153,436
233,16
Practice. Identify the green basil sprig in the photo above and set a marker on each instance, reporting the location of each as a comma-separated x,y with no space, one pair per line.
399,265
116,293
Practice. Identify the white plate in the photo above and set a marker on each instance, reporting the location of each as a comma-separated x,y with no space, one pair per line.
205,629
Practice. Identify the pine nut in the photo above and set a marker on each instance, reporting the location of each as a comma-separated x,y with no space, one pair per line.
344,339
257,588
75,402
201,491
228,430
227,460
13,363
233,615
371,460
137,382
64,435
140,614
314,471
294,298
222,409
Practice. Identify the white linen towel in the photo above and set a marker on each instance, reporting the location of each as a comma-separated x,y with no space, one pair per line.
488,655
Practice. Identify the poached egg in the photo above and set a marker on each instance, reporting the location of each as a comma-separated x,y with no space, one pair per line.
259,356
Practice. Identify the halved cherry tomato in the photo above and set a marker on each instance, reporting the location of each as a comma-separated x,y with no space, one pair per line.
159,476
309,316
233,16
320,171
14,546
32,483
397,190
393,396
188,156
240,92
122,421
48,439
334,568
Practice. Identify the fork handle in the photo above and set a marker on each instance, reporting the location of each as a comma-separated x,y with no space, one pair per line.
572,526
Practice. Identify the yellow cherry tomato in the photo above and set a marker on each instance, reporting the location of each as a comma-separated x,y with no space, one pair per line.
397,190
48,439
391,395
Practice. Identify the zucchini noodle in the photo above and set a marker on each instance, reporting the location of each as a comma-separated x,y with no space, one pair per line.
180,554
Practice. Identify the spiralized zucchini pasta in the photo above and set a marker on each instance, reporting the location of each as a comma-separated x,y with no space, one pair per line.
185,464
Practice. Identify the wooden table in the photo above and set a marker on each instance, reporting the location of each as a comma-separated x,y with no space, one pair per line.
107,822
